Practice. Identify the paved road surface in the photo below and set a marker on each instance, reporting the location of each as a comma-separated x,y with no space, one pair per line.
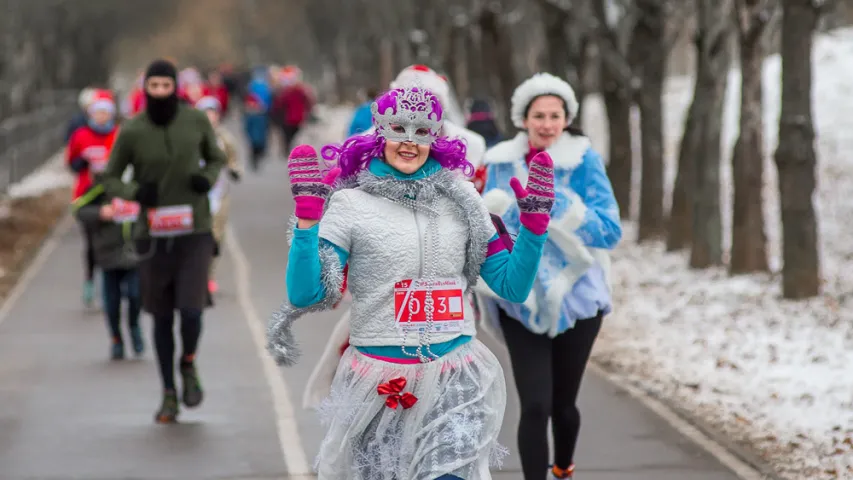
67,412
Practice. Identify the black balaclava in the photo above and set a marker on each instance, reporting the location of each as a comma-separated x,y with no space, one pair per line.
162,110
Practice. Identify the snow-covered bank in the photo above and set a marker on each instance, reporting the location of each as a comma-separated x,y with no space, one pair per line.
770,372
53,174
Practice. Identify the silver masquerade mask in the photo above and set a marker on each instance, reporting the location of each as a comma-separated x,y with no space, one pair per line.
418,116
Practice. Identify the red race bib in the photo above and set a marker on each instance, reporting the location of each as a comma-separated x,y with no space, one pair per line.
170,221
125,211
97,156
448,305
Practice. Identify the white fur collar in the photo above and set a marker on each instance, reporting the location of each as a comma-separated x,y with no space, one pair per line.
567,152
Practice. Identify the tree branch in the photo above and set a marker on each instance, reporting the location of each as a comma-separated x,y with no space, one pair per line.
612,56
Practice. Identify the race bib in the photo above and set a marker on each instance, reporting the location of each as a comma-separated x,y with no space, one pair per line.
97,156
410,305
125,211
170,221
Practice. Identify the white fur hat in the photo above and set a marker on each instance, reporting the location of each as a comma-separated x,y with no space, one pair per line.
537,85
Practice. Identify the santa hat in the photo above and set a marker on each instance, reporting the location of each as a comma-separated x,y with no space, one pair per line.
208,103
102,100
423,76
537,86
289,75
427,78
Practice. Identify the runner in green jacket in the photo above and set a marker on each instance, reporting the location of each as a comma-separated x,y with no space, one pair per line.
175,158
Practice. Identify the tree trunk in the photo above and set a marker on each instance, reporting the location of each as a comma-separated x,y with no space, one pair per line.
556,38
715,53
680,228
617,101
649,38
386,61
497,53
749,251
459,73
795,156
578,65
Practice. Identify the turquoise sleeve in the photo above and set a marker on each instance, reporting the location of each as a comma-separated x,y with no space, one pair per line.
511,274
304,287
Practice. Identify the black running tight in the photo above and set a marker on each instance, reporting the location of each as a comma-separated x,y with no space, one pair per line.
548,373
164,342
88,253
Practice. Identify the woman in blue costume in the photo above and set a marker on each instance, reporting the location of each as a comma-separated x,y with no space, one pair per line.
550,335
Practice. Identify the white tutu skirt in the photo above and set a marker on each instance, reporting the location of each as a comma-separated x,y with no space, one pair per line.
452,427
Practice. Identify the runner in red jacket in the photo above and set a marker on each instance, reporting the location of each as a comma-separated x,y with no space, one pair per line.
87,154
292,106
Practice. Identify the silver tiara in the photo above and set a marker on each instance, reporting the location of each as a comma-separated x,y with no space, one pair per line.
414,121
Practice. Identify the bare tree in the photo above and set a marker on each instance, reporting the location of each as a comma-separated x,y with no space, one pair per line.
497,50
567,41
714,58
650,60
749,242
795,156
614,27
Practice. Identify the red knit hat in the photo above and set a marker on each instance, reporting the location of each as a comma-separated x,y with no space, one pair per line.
102,101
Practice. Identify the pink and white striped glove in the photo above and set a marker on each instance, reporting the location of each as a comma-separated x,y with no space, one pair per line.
310,189
535,201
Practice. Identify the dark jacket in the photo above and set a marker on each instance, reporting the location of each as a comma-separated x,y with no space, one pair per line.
78,120
112,242
167,156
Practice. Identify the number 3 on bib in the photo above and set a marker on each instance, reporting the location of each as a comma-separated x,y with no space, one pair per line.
410,305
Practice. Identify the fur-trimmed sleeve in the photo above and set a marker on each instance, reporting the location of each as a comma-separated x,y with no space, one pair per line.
323,261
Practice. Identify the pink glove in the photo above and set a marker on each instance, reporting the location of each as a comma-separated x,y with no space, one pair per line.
310,190
535,201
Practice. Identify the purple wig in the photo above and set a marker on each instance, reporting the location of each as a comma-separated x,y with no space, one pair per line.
356,153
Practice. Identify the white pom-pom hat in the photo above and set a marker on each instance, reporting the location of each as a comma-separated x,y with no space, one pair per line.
536,86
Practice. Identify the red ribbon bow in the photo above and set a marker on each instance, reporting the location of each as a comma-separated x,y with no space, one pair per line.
395,398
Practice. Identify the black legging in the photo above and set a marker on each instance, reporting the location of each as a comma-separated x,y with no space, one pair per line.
288,133
164,342
548,375
88,253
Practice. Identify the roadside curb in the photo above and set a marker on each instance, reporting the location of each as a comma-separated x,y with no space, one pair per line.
743,461
35,262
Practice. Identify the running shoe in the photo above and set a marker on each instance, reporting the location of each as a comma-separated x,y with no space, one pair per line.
168,412
563,473
117,349
193,394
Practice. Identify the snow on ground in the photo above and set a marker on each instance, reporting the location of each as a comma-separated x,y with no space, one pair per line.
53,174
768,372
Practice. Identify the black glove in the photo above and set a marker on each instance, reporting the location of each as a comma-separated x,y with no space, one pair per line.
235,175
146,194
79,164
200,184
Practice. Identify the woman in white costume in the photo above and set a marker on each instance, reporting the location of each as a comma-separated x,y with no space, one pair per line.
415,396
453,127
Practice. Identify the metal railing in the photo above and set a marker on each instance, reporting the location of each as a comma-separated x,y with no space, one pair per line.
29,139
